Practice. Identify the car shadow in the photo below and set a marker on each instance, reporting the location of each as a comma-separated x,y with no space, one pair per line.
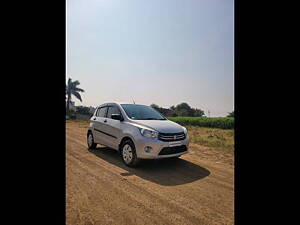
167,172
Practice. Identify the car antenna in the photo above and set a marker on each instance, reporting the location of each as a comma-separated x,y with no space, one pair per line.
133,101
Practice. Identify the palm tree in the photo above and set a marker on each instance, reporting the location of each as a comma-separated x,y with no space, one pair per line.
72,89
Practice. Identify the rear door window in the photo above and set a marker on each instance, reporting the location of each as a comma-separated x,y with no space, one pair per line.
101,112
97,111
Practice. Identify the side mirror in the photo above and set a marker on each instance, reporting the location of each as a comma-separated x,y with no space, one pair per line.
117,117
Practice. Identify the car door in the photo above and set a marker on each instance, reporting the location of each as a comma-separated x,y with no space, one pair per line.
99,126
113,127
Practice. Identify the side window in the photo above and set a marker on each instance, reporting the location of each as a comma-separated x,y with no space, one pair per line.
101,112
112,110
97,112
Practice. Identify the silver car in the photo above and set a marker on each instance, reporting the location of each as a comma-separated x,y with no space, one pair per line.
137,132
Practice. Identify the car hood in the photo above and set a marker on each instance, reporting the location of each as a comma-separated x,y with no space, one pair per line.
163,126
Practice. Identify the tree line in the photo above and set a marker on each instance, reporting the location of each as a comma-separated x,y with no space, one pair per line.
182,109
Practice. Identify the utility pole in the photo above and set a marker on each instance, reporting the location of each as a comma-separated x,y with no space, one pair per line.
208,113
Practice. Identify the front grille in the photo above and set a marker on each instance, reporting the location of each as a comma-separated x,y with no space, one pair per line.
171,136
173,150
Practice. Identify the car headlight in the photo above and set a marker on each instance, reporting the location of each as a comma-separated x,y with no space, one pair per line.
149,133
184,130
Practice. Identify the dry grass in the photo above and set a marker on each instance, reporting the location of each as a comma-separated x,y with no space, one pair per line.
212,137
81,123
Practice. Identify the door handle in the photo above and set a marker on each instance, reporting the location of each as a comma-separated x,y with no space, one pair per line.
105,121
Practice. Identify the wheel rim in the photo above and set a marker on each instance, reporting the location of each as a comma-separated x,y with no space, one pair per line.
90,140
127,153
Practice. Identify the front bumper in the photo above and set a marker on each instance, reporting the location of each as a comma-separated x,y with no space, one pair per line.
157,145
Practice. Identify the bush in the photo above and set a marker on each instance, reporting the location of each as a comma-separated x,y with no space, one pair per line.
83,110
218,122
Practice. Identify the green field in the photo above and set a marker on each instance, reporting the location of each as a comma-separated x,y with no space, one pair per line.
217,122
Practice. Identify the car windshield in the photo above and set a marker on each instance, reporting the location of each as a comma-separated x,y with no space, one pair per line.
141,112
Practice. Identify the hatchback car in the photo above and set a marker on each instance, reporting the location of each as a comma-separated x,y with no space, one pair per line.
137,132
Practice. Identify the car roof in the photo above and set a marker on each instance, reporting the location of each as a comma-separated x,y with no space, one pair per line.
117,103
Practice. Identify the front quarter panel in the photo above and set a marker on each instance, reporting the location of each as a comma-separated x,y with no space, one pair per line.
129,130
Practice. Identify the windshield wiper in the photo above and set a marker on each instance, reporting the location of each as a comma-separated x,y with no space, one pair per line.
150,118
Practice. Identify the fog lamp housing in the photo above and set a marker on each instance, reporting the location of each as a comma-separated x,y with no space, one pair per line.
148,149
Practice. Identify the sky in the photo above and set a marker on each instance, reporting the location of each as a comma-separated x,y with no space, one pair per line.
160,51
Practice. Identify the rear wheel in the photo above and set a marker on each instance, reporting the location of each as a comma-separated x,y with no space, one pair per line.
128,153
90,141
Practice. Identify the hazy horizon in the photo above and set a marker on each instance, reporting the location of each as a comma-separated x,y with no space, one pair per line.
162,52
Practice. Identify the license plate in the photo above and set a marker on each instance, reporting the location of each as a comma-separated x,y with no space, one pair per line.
175,143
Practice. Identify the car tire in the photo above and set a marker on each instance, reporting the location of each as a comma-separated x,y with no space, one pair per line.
90,141
128,154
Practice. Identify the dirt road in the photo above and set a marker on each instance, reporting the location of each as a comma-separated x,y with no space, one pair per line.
194,189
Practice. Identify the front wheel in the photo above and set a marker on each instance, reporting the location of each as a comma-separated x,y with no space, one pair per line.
90,141
128,153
